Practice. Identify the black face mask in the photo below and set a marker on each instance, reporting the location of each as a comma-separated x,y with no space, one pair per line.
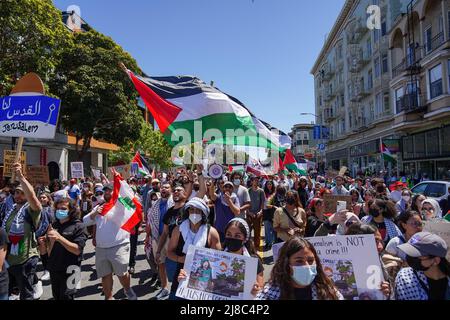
374,213
416,264
233,245
290,201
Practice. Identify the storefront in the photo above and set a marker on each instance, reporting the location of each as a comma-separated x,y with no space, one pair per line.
427,152
337,159
366,156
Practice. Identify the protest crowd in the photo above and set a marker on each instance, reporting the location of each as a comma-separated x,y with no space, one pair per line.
47,227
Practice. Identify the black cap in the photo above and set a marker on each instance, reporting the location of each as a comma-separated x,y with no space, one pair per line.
108,186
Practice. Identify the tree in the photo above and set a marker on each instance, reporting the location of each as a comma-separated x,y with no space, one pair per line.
99,101
150,143
32,37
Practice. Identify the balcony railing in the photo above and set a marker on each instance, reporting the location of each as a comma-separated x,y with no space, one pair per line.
399,69
410,102
434,43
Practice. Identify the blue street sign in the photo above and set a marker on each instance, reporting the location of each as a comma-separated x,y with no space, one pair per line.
325,133
317,133
321,146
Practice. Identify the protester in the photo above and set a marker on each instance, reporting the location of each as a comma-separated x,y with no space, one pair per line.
396,194
405,203
339,189
290,220
47,209
19,222
337,224
431,211
369,197
358,185
66,240
304,189
4,281
316,218
74,191
298,275
357,201
268,213
428,274
381,216
112,250
194,230
409,223
241,192
417,201
255,212
154,228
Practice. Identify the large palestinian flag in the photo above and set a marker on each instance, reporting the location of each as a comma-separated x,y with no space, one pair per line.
186,105
124,208
143,168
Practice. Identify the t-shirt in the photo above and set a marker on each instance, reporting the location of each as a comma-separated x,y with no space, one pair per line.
162,213
303,293
223,213
257,199
438,288
381,228
27,245
3,271
243,195
74,192
172,219
60,258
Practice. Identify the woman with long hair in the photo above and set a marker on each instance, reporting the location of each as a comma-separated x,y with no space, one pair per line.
298,275
269,209
369,196
316,217
417,201
409,223
357,201
290,220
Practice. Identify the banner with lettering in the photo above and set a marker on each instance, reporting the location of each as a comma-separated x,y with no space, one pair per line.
29,116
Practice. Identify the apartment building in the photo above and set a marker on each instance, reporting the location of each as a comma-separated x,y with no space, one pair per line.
386,85
304,146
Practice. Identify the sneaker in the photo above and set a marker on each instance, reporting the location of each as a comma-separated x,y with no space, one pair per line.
131,295
45,276
14,297
37,290
163,294
131,270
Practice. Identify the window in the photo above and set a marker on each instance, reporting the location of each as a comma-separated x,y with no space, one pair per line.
428,37
369,47
436,190
342,100
350,123
399,93
420,189
378,105
387,103
342,125
383,28
376,35
377,67
419,146
370,79
435,77
433,143
372,111
385,63
445,133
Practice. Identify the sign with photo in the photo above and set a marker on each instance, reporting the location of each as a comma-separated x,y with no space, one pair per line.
125,171
352,262
331,201
217,275
76,170
96,173
442,229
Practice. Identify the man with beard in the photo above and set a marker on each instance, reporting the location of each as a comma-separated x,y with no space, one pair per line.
112,249
172,218
154,229
21,219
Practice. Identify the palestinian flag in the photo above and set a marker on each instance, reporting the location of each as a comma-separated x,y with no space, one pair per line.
387,155
255,167
290,163
186,105
236,168
124,208
143,168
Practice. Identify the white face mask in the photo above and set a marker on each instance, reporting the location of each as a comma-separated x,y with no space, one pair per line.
406,198
195,218
237,182
304,275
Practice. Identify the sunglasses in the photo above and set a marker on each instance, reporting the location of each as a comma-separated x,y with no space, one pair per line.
416,224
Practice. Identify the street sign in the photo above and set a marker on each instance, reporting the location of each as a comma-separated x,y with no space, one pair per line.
317,133
321,146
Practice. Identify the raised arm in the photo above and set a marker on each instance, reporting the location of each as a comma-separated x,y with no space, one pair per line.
30,195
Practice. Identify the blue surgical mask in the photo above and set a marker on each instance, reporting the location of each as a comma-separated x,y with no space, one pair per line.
62,214
237,182
304,275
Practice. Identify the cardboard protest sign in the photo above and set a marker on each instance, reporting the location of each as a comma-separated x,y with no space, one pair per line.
38,175
217,275
8,161
343,171
29,116
330,202
96,173
125,171
352,262
442,229
76,170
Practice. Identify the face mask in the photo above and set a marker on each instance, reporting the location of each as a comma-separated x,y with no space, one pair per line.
237,182
406,198
195,218
304,275
62,214
374,213
233,245
416,264
196,188
290,201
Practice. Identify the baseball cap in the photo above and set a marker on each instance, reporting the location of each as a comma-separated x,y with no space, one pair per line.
108,186
19,187
73,180
228,183
425,244
98,190
155,181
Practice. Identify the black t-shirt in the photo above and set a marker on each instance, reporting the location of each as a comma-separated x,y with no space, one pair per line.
260,267
172,218
60,258
3,271
438,289
303,293
312,225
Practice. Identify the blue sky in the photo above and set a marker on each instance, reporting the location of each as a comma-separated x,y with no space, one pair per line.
259,51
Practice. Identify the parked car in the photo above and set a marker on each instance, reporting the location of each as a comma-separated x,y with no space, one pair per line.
437,190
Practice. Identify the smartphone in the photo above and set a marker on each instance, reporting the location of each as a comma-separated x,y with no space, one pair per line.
341,205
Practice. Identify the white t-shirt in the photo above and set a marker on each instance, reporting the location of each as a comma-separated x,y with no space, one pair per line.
108,234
